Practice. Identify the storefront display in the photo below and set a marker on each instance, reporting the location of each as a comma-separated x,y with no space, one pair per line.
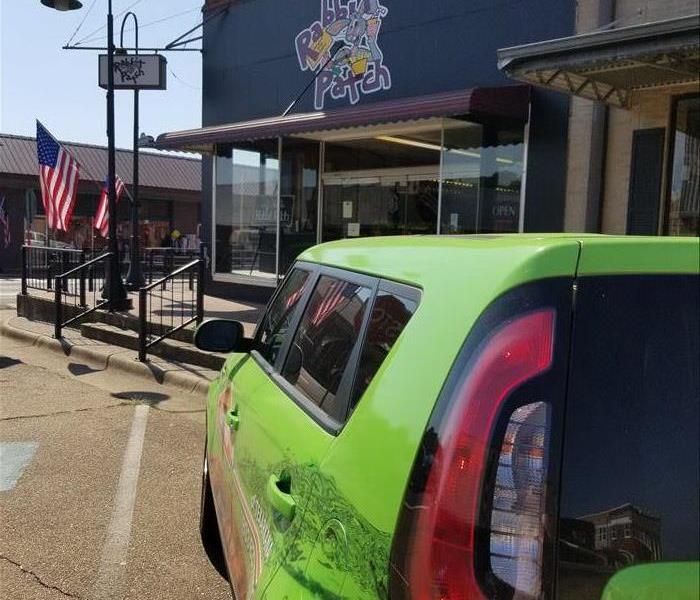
275,198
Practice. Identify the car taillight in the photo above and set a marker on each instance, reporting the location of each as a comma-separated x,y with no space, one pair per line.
433,557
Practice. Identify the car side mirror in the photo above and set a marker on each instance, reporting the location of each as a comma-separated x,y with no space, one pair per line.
221,335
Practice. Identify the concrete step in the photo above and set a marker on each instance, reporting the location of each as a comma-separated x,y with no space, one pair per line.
37,308
171,349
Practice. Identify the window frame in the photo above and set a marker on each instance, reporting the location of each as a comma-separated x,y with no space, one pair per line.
665,207
312,280
316,271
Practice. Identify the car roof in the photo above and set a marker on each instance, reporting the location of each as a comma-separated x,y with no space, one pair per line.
442,261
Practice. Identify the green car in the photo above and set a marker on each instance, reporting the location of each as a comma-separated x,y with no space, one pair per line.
461,418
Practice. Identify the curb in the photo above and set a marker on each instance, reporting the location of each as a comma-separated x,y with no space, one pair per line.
111,360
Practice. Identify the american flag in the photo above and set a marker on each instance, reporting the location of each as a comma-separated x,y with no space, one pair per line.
5,222
102,217
334,295
58,176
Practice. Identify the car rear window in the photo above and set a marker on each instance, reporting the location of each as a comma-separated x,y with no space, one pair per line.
630,472
327,334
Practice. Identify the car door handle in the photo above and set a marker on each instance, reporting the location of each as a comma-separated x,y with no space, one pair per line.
279,497
232,419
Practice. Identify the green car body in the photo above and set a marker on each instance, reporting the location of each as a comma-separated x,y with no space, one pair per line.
308,509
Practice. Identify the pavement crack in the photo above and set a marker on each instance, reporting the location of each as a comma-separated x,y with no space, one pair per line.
38,579
66,412
179,412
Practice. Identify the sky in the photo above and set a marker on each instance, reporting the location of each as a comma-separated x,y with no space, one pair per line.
39,80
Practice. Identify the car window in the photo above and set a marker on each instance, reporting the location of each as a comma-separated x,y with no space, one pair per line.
390,313
630,472
324,341
278,317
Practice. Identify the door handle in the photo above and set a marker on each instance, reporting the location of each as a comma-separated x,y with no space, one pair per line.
232,419
279,497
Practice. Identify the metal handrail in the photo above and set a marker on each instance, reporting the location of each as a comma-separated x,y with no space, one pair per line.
59,323
53,248
170,276
199,265
39,263
85,264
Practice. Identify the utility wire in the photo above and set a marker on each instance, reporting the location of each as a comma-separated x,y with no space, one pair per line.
149,24
119,14
183,82
77,29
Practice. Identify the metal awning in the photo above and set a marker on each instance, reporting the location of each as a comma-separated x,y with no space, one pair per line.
609,65
506,101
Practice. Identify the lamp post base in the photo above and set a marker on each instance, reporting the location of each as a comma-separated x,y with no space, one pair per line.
135,285
122,305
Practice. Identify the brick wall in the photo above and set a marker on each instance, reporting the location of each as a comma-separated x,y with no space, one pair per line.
632,12
649,109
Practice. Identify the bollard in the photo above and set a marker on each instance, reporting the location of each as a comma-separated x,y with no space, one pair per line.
59,312
143,321
24,271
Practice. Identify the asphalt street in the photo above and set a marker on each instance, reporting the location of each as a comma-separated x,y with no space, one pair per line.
99,483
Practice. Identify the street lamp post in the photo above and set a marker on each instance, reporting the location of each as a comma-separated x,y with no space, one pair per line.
134,278
114,288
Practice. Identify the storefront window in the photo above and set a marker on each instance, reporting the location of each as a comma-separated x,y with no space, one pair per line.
382,185
298,199
247,180
684,201
379,180
482,173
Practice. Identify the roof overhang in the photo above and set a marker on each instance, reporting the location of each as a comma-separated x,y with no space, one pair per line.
506,101
609,65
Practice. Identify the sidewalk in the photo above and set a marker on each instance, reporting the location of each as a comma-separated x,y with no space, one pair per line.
165,305
103,356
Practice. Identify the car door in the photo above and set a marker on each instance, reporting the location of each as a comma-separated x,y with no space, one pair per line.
275,418
337,552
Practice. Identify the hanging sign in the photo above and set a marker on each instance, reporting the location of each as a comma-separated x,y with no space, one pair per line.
135,71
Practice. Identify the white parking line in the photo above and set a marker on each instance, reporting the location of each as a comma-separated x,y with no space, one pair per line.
110,576
14,457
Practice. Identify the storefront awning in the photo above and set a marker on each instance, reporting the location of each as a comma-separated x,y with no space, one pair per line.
610,65
507,101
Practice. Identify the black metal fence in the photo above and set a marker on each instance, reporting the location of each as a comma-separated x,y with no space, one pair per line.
40,265
156,263
78,292
170,304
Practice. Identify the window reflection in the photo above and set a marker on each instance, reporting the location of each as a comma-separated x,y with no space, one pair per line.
630,477
298,199
684,204
481,178
247,180
382,185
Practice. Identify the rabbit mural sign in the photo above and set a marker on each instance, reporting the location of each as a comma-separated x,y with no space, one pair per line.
342,48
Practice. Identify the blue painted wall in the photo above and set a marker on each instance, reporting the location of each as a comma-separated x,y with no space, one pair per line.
251,69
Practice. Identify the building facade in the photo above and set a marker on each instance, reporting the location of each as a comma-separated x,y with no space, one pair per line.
169,193
634,123
327,119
